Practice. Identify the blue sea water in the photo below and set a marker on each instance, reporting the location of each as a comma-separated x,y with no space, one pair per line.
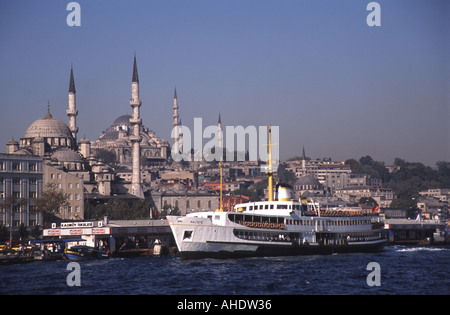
403,270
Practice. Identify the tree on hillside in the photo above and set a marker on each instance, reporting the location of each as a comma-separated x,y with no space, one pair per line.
119,209
51,201
407,181
369,166
443,170
285,176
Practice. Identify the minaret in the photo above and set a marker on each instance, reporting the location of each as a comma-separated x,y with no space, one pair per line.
304,162
219,148
176,123
72,112
220,137
135,138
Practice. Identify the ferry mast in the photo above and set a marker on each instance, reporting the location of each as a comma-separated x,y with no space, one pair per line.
269,172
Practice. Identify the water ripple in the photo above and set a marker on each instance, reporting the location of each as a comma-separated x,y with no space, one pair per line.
404,270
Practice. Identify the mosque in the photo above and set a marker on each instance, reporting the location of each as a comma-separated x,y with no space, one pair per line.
117,139
72,165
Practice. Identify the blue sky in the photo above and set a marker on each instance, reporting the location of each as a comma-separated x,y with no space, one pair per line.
333,84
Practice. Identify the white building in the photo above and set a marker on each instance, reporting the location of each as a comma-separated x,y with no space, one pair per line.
383,196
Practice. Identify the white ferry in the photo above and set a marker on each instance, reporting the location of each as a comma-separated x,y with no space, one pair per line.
277,227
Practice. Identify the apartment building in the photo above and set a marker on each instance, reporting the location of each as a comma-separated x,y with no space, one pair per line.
21,184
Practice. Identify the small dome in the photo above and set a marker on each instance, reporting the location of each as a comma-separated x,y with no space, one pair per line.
12,142
179,188
23,152
307,180
67,155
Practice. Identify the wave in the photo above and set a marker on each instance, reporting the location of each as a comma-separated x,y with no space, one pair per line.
421,249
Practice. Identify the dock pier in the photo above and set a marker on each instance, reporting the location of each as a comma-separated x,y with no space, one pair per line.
409,232
121,238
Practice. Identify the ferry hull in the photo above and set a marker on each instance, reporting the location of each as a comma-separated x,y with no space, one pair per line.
274,250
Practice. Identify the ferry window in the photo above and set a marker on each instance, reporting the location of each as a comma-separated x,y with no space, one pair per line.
281,206
251,208
266,207
271,206
187,236
261,206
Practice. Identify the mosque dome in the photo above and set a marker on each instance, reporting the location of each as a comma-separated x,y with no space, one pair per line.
122,120
52,131
48,127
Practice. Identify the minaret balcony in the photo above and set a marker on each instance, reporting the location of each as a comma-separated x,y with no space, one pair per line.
135,121
135,102
72,112
135,138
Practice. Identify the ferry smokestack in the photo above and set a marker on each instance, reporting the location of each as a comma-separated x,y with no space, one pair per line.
284,193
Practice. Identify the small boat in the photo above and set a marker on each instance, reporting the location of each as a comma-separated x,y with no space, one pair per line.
48,250
15,258
84,252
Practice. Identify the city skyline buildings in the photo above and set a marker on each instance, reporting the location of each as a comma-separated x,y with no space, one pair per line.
334,85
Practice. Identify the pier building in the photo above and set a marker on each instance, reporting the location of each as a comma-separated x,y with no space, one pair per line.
132,237
406,231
